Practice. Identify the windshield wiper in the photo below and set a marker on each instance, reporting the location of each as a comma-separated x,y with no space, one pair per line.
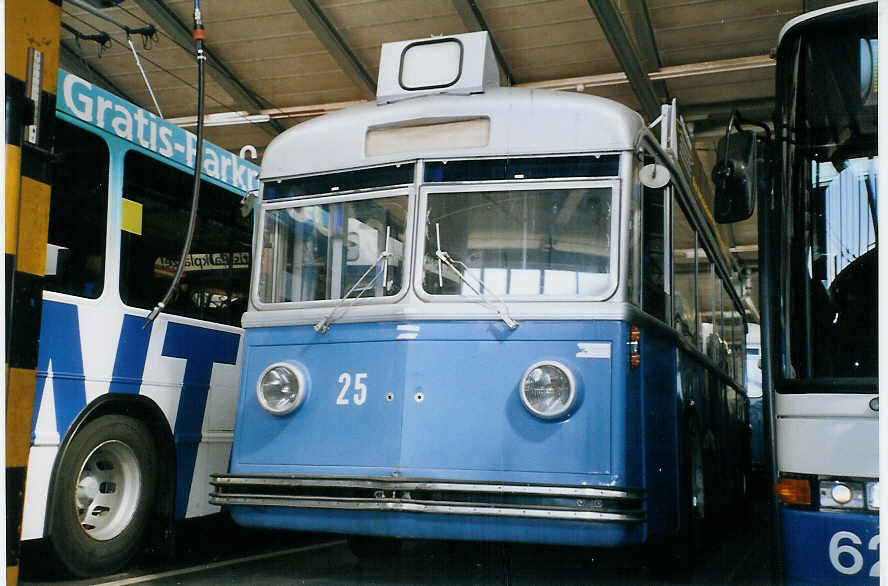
500,306
324,324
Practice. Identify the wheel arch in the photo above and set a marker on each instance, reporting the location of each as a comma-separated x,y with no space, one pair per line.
148,412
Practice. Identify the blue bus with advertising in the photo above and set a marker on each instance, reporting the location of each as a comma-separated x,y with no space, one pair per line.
817,190
487,313
131,418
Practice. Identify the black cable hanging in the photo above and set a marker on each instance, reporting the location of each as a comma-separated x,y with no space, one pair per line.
199,35
148,31
166,70
101,38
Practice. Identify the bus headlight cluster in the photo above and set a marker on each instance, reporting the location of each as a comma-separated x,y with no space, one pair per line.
841,494
281,389
548,389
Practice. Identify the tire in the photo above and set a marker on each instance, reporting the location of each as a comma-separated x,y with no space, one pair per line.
103,492
374,548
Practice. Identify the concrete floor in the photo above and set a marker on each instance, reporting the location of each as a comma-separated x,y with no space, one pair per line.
215,551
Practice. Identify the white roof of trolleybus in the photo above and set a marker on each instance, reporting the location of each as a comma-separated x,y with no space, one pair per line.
818,13
512,121
521,122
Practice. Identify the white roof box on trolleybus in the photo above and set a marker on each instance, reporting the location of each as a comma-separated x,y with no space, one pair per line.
459,64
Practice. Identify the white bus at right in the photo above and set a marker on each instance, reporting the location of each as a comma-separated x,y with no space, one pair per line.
816,186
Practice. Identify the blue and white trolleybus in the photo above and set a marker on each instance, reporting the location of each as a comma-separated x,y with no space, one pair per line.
486,313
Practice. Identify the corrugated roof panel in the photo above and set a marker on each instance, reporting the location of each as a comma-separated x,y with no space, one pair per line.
235,137
727,92
169,68
546,40
346,14
365,24
685,13
272,51
561,61
718,40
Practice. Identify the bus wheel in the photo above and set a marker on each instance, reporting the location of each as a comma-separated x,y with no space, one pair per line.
103,491
374,548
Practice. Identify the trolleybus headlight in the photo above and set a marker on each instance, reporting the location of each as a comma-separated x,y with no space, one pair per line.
548,389
841,494
281,389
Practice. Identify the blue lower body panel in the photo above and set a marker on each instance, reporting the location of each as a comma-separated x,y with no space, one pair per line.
830,548
429,526
418,430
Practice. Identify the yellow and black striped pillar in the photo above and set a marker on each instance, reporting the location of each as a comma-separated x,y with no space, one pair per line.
32,61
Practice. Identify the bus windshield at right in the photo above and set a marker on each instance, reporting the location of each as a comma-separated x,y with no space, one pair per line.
830,174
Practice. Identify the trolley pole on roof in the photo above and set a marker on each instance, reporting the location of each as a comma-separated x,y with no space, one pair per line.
32,61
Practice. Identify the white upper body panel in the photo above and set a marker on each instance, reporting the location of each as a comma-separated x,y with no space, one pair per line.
828,434
521,122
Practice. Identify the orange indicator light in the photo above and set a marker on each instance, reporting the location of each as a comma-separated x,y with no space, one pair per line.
794,491
634,347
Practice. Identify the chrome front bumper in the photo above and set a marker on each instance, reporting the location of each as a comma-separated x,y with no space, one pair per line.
534,501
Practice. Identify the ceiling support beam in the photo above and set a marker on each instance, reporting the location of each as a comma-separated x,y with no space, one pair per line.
473,19
618,36
569,84
640,23
169,23
675,71
324,30
643,31
71,61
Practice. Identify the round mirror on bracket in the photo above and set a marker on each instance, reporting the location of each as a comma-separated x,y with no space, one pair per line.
654,176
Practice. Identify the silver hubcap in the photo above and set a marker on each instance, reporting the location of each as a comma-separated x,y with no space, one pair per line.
107,490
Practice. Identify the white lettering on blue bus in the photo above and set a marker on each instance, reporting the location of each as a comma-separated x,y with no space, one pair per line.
99,108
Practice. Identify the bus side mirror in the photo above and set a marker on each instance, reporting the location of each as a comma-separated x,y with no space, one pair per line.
739,175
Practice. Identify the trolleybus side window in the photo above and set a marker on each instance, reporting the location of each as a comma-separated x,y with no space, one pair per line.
156,207
333,250
653,293
553,242
75,258
684,269
727,330
719,347
706,298
633,264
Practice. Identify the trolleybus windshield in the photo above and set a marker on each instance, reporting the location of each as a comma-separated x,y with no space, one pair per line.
552,242
333,249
